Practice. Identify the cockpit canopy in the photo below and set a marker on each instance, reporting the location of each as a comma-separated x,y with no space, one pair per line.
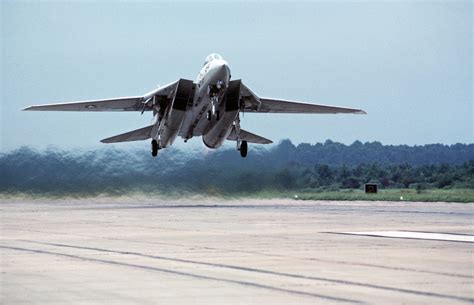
211,57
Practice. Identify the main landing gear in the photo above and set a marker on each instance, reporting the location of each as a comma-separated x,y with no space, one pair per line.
242,146
154,148
243,149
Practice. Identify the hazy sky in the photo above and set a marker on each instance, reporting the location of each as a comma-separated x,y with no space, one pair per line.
408,64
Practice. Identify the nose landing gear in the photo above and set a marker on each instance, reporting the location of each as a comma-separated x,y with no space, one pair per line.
213,112
220,84
210,115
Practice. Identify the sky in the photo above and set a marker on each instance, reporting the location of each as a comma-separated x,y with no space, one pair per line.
408,64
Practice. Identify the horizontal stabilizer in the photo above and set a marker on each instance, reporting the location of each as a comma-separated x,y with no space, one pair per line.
249,137
135,135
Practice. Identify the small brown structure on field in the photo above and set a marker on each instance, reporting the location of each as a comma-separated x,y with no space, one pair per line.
371,188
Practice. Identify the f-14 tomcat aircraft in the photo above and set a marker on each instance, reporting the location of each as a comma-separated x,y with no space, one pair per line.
209,107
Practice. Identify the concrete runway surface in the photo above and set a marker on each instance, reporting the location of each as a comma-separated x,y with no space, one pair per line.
202,251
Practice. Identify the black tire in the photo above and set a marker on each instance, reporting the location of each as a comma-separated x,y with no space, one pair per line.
154,148
217,115
243,149
209,115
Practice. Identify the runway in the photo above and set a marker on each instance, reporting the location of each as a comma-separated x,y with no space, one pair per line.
209,251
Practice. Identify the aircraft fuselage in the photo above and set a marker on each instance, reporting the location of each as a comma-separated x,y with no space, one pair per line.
207,116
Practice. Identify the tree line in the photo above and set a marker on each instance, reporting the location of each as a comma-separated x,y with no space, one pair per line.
328,165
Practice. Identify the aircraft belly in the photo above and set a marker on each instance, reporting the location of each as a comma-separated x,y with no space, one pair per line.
187,123
195,121
167,130
215,133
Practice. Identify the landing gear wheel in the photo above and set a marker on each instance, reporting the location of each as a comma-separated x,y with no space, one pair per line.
209,115
217,115
154,148
243,149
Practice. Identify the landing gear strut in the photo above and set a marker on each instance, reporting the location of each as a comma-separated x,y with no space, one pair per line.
242,146
154,148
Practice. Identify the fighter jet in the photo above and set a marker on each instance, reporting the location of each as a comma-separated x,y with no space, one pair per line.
209,107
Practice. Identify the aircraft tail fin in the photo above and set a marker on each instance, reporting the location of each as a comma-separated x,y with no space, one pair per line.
249,137
134,135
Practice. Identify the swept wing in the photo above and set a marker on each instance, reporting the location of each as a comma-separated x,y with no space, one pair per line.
283,106
253,103
134,103
115,104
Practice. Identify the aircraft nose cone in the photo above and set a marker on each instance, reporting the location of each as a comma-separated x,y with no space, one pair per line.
223,71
